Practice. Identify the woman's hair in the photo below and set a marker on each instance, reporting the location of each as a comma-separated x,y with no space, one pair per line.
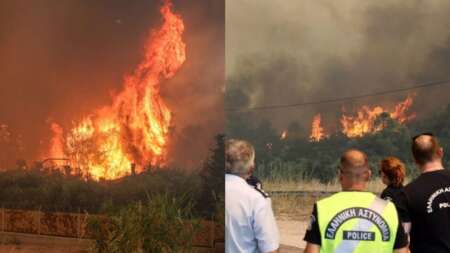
394,169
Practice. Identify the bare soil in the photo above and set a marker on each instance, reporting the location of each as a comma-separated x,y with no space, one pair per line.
24,243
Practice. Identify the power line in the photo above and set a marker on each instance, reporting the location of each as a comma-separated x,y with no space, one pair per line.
333,100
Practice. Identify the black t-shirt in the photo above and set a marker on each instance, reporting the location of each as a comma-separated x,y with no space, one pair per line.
392,193
426,203
312,234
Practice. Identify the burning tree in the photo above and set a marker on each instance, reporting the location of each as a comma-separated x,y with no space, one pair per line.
134,128
317,131
367,120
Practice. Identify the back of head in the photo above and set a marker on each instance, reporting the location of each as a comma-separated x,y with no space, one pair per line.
354,167
425,149
239,157
394,169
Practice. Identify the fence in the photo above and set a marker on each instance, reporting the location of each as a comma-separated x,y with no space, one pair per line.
210,238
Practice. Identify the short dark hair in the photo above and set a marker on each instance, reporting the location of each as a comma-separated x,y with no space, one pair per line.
425,148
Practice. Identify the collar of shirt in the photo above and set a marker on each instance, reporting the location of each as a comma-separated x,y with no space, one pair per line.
234,178
433,170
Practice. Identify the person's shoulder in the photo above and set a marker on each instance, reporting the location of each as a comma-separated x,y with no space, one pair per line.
258,194
446,172
253,193
415,183
328,199
385,192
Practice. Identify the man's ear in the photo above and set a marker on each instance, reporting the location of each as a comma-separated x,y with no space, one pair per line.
368,175
440,152
252,169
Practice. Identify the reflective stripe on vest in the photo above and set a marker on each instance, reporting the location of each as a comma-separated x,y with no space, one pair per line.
356,222
378,205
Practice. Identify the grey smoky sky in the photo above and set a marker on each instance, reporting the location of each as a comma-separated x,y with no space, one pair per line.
60,60
290,51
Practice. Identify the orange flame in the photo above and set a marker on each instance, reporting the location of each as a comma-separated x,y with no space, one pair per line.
56,143
283,135
134,129
317,131
365,120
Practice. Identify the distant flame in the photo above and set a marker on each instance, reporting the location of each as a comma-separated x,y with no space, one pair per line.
284,135
134,129
317,131
364,121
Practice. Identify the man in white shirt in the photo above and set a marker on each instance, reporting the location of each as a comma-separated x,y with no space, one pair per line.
249,221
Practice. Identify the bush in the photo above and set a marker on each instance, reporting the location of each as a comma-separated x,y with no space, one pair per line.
162,224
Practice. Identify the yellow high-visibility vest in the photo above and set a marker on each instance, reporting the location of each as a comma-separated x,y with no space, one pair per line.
357,222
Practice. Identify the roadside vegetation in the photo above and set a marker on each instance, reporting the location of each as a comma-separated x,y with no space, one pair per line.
160,224
159,210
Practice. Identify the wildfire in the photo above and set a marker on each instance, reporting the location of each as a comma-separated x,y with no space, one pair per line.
365,120
317,131
56,143
134,128
284,135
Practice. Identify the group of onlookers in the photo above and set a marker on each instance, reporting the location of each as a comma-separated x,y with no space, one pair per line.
414,218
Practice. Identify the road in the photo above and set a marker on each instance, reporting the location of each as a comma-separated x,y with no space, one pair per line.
291,235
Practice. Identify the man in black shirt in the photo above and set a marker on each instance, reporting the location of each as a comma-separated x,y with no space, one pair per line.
426,200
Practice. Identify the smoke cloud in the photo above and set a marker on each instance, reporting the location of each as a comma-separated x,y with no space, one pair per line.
61,60
282,52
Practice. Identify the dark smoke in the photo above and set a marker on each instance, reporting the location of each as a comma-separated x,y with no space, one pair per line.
300,51
60,60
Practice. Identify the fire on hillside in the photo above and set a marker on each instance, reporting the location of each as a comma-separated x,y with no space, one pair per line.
365,120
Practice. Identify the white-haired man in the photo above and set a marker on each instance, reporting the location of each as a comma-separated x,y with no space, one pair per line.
249,221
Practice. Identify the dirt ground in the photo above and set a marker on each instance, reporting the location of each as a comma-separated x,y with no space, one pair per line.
23,243
38,249
291,239
291,235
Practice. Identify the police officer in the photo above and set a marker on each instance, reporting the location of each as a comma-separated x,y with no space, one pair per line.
425,202
257,184
250,225
355,220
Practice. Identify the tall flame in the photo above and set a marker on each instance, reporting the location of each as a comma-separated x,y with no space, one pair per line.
134,129
317,131
365,120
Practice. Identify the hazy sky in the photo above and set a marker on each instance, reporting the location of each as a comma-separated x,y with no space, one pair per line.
291,51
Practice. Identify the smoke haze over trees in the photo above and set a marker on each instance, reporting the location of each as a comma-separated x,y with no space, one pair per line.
301,51
288,52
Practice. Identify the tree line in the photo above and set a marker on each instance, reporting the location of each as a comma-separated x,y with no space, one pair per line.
296,158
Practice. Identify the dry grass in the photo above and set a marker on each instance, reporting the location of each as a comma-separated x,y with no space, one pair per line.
293,207
290,207
314,186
